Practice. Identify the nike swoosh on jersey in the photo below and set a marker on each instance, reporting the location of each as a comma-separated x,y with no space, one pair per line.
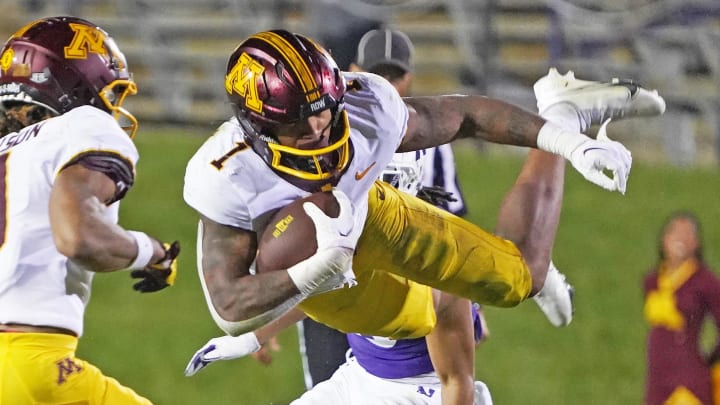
360,175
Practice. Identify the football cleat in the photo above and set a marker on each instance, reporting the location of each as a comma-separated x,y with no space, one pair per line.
555,299
595,102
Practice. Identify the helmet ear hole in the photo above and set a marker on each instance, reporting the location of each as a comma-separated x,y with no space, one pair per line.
280,73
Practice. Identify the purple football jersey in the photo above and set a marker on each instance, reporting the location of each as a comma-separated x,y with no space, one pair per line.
388,358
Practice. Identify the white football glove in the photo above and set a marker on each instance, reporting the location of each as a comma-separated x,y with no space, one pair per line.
336,240
222,348
591,157
334,232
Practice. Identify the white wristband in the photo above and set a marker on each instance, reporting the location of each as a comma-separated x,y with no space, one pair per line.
145,250
554,139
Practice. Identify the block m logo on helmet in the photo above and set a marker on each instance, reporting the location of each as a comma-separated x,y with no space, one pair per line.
241,80
86,39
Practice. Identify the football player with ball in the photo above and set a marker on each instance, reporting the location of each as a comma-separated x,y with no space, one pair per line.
301,126
345,368
426,370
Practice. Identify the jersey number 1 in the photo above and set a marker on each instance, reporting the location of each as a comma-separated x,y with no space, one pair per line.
218,163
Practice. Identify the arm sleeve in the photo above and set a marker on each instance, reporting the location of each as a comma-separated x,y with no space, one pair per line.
98,143
116,167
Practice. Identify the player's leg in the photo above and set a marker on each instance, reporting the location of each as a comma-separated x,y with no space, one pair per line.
335,390
593,102
322,350
575,105
382,304
413,239
555,299
41,368
451,255
530,212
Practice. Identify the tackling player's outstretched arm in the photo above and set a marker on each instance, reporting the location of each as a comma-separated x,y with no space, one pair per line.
451,345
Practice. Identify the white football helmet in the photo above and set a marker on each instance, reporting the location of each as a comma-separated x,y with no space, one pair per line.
405,171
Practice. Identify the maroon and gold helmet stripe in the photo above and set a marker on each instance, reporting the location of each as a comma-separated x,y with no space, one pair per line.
21,32
298,65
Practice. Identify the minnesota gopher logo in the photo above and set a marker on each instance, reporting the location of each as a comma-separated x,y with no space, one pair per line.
241,80
66,367
86,39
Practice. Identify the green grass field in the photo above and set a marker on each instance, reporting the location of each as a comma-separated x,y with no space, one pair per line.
605,244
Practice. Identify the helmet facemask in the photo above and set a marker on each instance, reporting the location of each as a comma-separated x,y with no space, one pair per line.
113,95
307,164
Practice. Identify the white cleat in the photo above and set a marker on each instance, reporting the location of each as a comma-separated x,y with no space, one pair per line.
595,102
555,299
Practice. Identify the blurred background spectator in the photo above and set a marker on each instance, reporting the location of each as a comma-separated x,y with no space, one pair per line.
681,292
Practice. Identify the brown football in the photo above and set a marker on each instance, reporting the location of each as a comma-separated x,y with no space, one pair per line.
290,235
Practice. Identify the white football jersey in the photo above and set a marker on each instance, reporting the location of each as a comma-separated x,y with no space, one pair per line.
38,286
245,191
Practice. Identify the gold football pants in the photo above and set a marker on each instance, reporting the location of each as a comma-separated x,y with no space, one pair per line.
406,246
41,368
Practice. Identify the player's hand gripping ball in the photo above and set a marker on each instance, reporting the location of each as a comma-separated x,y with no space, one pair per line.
290,236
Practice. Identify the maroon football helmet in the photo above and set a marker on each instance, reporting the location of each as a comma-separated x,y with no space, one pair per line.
65,62
276,77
